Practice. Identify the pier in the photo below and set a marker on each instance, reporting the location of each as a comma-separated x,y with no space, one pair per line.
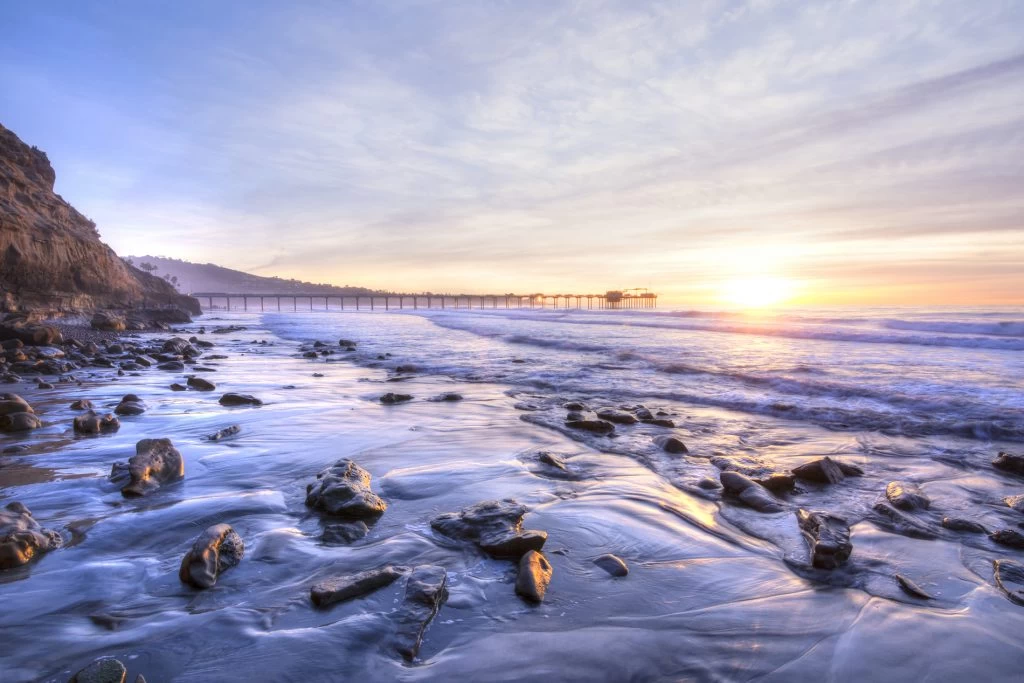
612,300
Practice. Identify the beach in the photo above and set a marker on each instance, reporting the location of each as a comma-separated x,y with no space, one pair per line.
722,583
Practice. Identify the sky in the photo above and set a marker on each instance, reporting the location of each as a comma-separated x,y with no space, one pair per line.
845,152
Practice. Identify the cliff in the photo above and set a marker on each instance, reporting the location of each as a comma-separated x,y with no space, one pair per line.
51,258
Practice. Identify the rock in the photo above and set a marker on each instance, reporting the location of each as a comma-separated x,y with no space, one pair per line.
347,343
778,482
959,524
911,588
828,537
425,592
616,416
82,404
1009,462
156,462
44,385
201,384
552,460
343,588
1009,576
344,532
214,551
612,564
93,423
1008,537
494,526
825,471
595,426
107,322
22,538
660,422
178,387
534,576
343,489
32,334
892,519
447,397
574,406
749,492
104,670
670,444
906,496
130,405
390,399
233,399
172,366
708,484
643,414
12,403
1015,502
19,422
224,433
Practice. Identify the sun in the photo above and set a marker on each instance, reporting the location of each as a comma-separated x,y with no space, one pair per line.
758,292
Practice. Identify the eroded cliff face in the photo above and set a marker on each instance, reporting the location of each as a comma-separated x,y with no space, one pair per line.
51,258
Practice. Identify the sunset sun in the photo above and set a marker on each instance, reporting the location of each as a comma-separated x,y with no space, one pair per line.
758,292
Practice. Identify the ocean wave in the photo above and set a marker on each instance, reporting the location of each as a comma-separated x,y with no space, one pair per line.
1005,328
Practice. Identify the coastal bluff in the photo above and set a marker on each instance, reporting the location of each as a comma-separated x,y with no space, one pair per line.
52,261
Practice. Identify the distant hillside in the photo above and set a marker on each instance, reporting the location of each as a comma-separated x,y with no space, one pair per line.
207,277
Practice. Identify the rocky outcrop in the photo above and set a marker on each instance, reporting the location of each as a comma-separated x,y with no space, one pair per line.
214,551
22,538
343,490
51,258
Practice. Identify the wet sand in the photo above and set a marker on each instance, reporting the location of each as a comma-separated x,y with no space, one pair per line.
716,590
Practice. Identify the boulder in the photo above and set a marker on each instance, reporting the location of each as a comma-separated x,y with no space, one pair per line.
156,463
103,670
107,322
1008,537
906,496
343,490
595,426
494,526
778,482
233,399
1009,575
826,471
32,334
201,384
1009,462
390,399
344,532
93,423
339,589
749,492
130,405
613,564
19,422
670,444
828,537
12,403
534,576
214,551
618,417
425,592
178,387
22,538
82,404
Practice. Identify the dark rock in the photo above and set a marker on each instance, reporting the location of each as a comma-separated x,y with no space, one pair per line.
959,524
1015,502
172,366
224,433
709,484
344,532
343,489
1009,576
778,482
130,405
107,322
93,423
574,406
19,422
660,422
828,537
616,416
552,460
201,384
534,576
341,588
612,564
104,670
897,522
749,492
390,399
1009,462
22,538
32,334
44,385
425,592
156,462
347,343
595,426
82,404
911,588
1008,537
447,397
643,414
214,551
824,471
906,496
233,399
512,545
495,526
178,387
670,444
12,403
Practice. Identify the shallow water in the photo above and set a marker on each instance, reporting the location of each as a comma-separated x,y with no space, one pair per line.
715,591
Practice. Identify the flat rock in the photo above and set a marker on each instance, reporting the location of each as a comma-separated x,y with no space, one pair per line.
613,564
1009,575
895,521
595,426
200,384
343,489
425,592
906,496
670,444
344,532
341,588
618,417
534,576
214,551
233,399
1009,462
960,524
22,538
94,423
828,537
390,399
156,463
105,670
749,492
